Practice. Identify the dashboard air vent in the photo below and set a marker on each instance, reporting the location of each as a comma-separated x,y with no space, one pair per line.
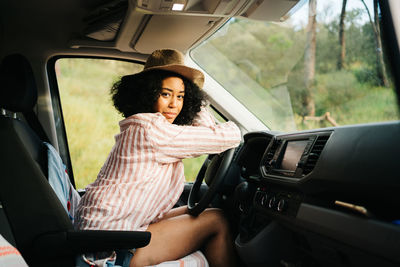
315,153
271,151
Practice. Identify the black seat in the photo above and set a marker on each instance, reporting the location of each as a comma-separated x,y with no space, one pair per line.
33,218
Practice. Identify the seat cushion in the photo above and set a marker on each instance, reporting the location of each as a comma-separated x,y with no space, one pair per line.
9,255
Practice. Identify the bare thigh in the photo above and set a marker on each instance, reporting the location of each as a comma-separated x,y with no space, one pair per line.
175,212
177,236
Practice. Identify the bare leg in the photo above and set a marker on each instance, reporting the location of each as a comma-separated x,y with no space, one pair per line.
178,236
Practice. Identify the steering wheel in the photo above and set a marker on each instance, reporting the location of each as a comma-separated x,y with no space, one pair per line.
213,171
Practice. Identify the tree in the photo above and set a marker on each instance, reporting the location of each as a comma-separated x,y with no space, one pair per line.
342,42
378,44
309,58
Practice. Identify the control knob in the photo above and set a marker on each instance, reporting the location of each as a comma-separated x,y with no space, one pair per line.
264,200
272,203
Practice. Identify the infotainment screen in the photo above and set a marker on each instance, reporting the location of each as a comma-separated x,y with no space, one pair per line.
292,155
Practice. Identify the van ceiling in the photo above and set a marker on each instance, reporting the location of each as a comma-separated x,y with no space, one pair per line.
121,25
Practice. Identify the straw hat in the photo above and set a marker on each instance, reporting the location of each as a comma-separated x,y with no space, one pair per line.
173,60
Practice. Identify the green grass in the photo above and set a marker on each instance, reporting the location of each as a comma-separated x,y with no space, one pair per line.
192,167
377,104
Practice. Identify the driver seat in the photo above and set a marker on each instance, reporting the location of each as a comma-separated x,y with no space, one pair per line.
32,218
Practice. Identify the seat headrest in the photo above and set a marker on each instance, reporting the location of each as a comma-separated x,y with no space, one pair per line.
18,90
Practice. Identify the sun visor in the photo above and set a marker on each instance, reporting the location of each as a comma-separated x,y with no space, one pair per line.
179,24
161,31
271,10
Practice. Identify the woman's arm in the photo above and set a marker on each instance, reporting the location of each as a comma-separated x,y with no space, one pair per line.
204,118
173,142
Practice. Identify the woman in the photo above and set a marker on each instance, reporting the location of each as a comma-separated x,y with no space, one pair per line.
142,178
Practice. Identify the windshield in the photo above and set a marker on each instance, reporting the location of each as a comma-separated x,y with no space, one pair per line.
322,66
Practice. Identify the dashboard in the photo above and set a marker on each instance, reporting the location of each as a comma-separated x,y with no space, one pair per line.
340,183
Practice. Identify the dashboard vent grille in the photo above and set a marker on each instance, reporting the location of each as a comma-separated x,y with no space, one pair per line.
315,153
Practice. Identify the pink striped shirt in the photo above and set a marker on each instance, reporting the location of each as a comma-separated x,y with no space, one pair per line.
143,175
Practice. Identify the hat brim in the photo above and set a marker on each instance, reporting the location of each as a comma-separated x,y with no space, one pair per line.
194,75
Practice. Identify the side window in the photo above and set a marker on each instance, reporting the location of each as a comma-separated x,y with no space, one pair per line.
90,119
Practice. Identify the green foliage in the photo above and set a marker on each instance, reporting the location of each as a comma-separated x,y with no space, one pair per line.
366,75
335,88
327,49
248,44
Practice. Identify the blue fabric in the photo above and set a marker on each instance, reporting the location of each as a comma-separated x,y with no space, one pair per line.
123,258
59,181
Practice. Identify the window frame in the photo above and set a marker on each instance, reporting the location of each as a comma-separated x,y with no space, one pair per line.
58,115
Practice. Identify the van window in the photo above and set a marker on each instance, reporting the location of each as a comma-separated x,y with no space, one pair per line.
90,119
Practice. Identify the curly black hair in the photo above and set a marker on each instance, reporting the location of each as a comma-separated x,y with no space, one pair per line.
139,92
